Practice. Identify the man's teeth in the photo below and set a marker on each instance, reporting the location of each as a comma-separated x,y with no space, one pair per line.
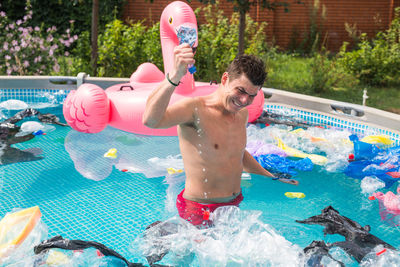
237,104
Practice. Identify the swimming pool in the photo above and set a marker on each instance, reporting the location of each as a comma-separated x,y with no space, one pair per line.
83,195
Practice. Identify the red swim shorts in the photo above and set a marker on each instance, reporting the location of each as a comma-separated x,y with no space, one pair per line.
197,213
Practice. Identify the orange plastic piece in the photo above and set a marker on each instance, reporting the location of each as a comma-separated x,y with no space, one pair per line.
27,218
317,139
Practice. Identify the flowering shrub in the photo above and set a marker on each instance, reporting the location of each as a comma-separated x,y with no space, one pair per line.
27,50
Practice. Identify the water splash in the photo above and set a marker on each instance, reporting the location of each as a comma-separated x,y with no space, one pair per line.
238,238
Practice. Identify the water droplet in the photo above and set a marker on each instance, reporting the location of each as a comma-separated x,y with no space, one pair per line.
200,152
205,180
205,194
204,169
199,145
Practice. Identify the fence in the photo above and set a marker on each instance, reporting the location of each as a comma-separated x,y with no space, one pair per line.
287,29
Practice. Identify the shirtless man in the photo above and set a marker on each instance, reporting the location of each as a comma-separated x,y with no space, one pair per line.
212,133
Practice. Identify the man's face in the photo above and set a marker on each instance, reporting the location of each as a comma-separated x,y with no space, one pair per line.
238,93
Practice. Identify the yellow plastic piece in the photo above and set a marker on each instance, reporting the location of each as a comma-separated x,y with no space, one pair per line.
298,131
303,133
111,153
173,171
377,139
316,159
57,258
295,195
15,227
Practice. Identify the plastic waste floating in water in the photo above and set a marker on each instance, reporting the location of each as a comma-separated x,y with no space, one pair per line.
295,195
370,184
17,232
377,139
173,170
389,206
13,104
111,153
285,165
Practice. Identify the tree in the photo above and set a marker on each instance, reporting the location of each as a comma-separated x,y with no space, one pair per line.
243,7
95,24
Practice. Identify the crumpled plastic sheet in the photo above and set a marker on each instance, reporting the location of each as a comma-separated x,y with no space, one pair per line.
186,35
257,148
282,164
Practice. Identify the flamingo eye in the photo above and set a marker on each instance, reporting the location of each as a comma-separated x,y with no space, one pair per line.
170,20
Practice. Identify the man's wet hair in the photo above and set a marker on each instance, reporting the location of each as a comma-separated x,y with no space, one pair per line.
252,66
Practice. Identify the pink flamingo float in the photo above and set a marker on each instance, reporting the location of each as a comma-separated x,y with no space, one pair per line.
389,206
90,109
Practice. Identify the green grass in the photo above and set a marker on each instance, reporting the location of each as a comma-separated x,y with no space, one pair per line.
289,73
294,74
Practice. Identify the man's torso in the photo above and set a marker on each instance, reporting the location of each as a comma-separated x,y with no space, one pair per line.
212,148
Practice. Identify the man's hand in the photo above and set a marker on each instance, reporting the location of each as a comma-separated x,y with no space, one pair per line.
183,56
288,181
284,178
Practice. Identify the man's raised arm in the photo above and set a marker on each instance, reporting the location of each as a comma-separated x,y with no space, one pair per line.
155,114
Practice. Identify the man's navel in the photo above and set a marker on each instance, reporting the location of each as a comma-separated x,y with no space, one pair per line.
216,146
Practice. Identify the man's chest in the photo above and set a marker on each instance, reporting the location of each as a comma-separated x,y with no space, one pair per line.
223,134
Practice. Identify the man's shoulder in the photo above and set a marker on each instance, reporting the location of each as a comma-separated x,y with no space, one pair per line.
189,101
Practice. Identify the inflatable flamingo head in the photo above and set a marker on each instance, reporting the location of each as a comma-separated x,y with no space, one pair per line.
176,18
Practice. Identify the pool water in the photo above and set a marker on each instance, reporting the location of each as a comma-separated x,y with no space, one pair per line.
83,195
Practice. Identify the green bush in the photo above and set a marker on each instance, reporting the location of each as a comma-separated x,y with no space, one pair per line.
326,74
375,62
57,12
121,49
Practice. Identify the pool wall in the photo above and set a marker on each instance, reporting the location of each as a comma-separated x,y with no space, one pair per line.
362,119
